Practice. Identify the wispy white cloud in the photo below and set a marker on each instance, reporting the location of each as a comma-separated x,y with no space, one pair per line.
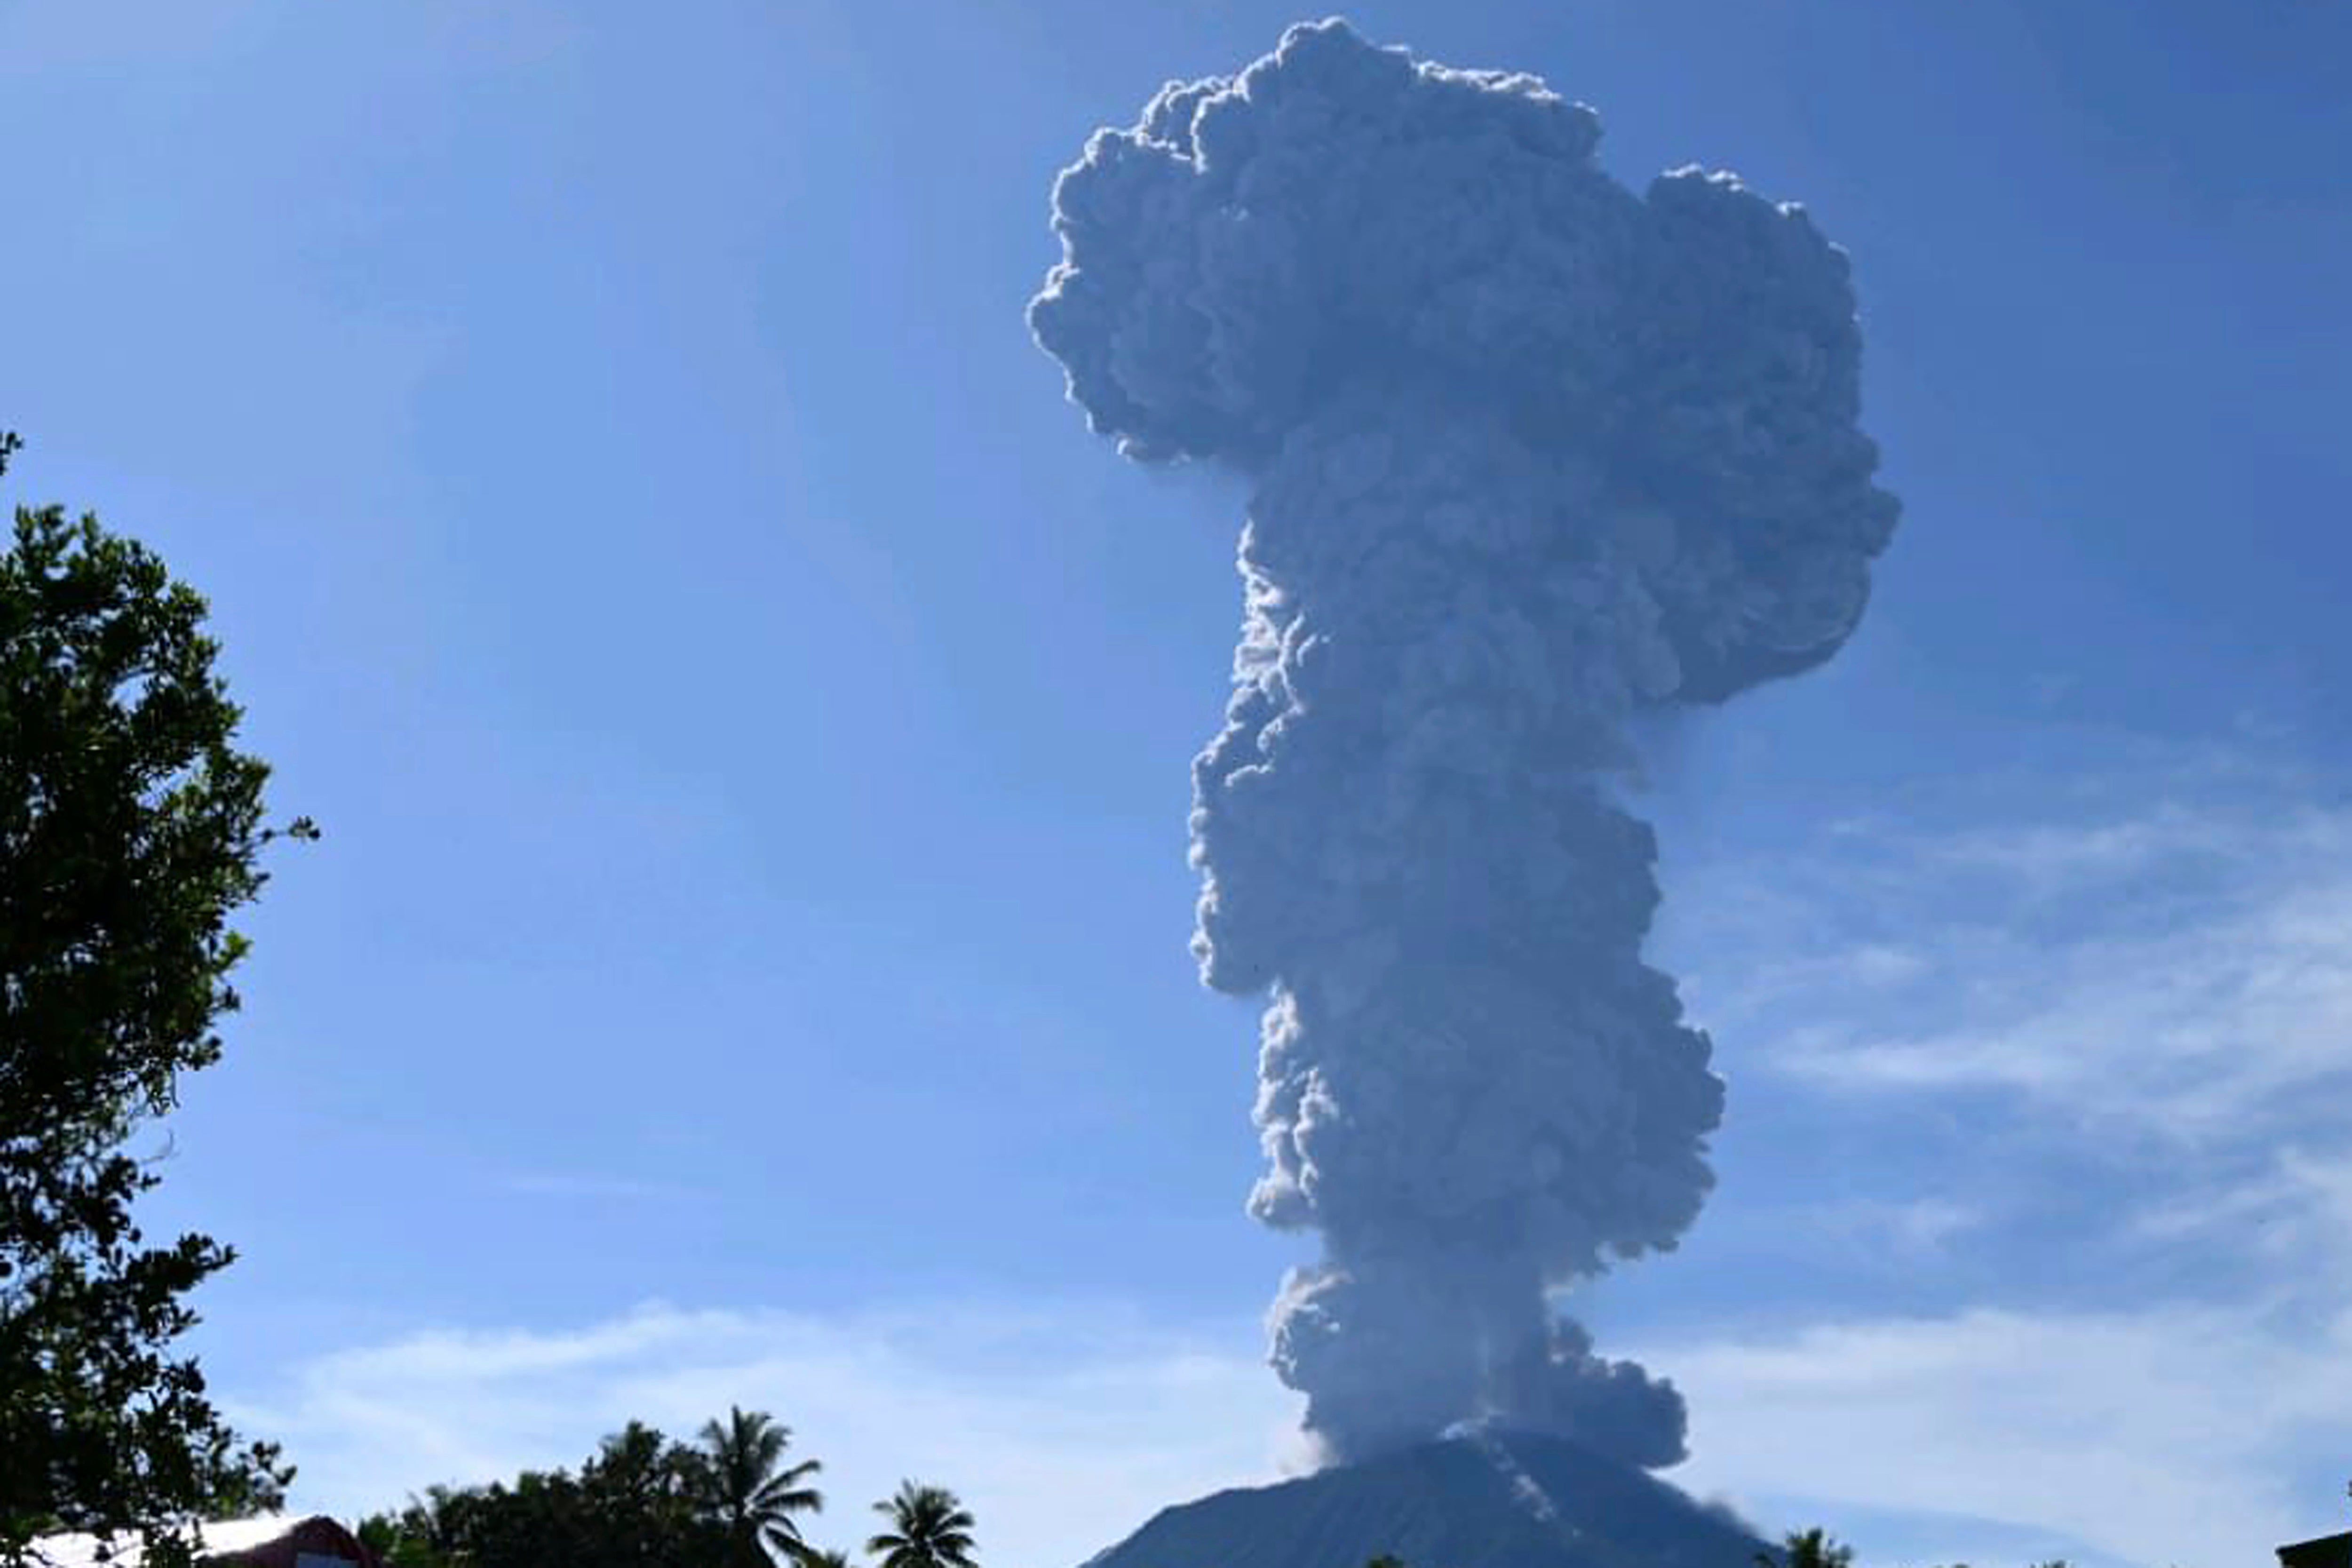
2171,959
2164,956
1064,1428
2161,1436
2294,1212
1908,1230
2164,1435
2152,972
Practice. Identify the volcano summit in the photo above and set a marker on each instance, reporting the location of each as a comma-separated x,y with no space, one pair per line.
1479,1500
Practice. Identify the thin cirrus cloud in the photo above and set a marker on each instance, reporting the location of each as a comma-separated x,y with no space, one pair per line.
2164,959
2138,984
2168,1434
1062,1429
1908,1230
2156,956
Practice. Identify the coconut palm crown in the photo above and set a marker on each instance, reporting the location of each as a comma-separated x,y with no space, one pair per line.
928,1529
753,1498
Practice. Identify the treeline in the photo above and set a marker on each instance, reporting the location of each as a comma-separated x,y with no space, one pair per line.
1798,1548
1815,1549
643,1500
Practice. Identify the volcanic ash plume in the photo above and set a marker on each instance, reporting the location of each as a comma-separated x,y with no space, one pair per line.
1529,452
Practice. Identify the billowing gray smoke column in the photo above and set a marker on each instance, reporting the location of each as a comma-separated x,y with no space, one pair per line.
1529,453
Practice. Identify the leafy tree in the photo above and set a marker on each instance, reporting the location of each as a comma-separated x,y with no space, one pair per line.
404,1540
446,1526
1815,1549
541,1518
130,829
1808,1549
435,1531
641,1501
928,1529
751,1498
645,1502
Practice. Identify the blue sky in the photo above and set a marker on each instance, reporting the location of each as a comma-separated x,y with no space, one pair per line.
749,717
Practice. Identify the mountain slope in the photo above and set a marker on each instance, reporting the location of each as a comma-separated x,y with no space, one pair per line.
1485,1500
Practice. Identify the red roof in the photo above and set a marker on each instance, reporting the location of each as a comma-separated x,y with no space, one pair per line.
315,1536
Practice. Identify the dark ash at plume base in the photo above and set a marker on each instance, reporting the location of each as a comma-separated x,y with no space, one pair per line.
1528,453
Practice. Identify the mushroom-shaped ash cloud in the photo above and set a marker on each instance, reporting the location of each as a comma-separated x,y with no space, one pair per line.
1528,453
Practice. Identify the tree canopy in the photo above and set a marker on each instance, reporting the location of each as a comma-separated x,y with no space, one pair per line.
928,1529
130,827
753,1491
1808,1549
645,1502
642,1501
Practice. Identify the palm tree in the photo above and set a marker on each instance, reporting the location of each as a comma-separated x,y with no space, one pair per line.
928,1529
751,1498
1808,1549
823,1557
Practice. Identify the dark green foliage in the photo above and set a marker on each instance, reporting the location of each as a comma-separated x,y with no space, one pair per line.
645,1500
130,826
642,1502
1814,1548
1808,1549
745,1489
597,1519
928,1529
